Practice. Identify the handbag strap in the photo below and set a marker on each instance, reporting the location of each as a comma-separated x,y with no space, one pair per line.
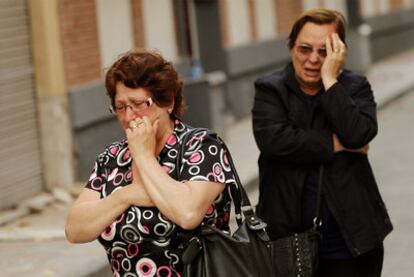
240,198
317,220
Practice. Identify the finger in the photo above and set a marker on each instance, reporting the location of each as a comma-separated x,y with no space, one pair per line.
335,43
128,132
339,40
133,124
155,125
328,45
146,122
341,44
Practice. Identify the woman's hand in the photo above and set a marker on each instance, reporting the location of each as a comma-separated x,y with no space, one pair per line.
141,136
336,53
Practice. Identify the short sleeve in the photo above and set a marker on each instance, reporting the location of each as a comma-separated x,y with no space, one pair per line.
97,179
206,159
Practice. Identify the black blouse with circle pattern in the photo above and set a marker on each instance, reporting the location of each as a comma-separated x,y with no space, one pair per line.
142,241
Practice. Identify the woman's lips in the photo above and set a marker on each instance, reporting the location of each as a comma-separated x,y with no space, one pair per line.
312,72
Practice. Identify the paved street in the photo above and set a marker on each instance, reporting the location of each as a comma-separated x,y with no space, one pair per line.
391,155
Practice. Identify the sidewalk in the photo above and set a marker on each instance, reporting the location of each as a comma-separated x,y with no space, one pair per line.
35,245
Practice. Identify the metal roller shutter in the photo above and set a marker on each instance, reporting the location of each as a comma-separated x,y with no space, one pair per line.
20,164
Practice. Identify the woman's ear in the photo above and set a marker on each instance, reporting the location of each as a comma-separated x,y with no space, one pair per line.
171,107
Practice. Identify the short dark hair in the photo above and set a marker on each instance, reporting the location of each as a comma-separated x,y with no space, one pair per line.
320,17
147,69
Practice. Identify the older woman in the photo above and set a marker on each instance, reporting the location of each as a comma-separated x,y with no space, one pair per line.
133,203
314,113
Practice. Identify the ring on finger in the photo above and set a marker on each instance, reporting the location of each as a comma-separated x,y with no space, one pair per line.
137,125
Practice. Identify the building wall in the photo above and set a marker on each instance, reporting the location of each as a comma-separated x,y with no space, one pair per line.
159,27
115,29
238,39
80,44
21,173
339,5
239,27
117,26
390,33
266,23
138,23
371,8
287,12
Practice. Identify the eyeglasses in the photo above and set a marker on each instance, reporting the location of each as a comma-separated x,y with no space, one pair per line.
136,106
306,50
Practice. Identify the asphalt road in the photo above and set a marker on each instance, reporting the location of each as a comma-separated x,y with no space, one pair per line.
391,155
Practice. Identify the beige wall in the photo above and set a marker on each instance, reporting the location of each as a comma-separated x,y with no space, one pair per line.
159,27
311,4
238,23
51,93
265,19
339,5
375,7
116,33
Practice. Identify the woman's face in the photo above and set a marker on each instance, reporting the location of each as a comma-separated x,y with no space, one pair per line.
134,103
308,54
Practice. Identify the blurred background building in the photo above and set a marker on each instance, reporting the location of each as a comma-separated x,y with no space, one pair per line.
54,116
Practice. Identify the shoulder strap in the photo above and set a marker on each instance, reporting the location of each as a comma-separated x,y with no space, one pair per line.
317,221
241,200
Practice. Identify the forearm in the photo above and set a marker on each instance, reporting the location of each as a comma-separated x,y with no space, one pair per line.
88,219
352,119
288,144
176,200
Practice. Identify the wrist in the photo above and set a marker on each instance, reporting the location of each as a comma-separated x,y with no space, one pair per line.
142,158
328,82
122,196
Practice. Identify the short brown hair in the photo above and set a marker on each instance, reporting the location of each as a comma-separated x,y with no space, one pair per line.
148,70
320,17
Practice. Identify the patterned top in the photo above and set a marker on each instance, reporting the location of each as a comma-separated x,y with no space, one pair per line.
142,241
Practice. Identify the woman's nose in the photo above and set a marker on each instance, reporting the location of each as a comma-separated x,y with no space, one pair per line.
314,57
130,114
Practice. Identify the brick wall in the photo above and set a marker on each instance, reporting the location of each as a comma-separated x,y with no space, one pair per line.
79,35
223,22
253,23
286,13
396,4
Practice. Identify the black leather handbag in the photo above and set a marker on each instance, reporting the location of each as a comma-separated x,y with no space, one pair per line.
211,252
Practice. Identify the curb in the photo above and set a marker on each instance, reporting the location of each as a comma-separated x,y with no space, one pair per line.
393,97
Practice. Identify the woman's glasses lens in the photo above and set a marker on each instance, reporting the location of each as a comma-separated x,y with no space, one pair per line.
307,50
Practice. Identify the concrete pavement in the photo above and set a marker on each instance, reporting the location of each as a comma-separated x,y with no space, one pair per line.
391,155
34,245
